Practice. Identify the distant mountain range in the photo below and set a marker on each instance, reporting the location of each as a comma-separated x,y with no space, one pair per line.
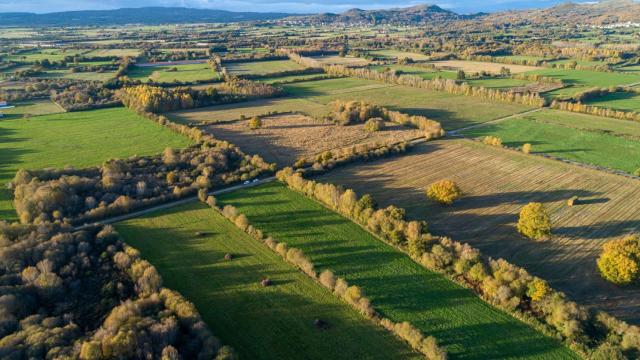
145,15
410,15
605,12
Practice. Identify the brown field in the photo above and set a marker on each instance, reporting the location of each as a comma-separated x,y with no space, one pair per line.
478,66
340,60
497,183
285,138
234,111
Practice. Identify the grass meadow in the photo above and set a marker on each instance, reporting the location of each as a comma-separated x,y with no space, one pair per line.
164,74
581,80
622,100
78,139
274,322
610,143
399,288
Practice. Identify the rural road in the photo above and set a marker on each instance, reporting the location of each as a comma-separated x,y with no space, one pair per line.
168,205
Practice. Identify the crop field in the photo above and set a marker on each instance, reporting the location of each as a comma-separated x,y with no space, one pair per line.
398,287
453,111
273,322
341,60
275,79
184,73
261,67
581,80
285,138
478,66
396,54
87,75
30,108
623,101
78,139
522,58
609,143
497,183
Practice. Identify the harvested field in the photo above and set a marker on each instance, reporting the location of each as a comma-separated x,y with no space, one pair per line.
231,112
497,183
396,54
285,138
478,66
274,322
341,60
261,67
29,108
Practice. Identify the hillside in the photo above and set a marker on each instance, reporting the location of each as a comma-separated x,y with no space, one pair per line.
418,14
144,15
600,13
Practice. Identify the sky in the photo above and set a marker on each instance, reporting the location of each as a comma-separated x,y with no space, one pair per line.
289,6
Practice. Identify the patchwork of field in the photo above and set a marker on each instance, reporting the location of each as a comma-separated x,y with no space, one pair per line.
173,73
39,55
341,60
581,80
87,75
399,288
396,54
622,101
285,138
593,140
479,66
274,322
261,67
497,183
78,139
29,108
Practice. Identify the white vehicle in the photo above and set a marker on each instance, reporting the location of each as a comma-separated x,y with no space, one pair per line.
255,180
246,182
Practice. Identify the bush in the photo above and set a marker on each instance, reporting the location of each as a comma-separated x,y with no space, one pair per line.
255,123
492,140
444,192
619,262
526,148
374,124
534,221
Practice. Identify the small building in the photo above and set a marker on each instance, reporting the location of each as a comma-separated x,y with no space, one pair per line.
3,104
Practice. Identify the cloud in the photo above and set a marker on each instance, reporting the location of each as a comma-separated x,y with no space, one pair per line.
302,6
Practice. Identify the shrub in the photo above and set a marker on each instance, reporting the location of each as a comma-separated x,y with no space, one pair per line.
619,262
492,140
526,148
444,192
374,124
534,221
255,123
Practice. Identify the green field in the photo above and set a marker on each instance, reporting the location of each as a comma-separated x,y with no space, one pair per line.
424,73
261,67
522,58
79,139
88,76
259,322
29,108
114,52
164,74
399,288
623,101
581,80
39,55
453,111
610,143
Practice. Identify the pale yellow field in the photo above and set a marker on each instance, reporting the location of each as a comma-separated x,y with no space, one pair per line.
477,66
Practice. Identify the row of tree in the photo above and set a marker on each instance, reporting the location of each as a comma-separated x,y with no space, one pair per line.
351,294
503,284
87,295
351,112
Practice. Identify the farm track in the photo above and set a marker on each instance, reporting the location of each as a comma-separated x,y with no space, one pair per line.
497,184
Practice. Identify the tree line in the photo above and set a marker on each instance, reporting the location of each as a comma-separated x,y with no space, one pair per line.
87,295
509,287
